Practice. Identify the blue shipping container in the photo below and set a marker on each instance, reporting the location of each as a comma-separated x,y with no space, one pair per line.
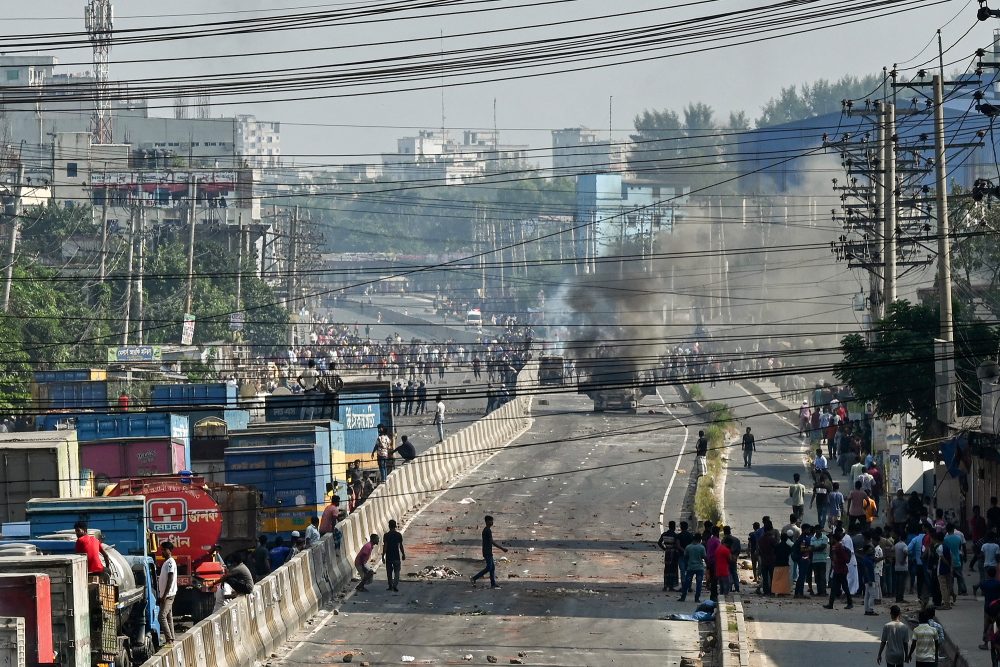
121,520
291,468
77,395
361,408
236,420
70,375
95,426
194,395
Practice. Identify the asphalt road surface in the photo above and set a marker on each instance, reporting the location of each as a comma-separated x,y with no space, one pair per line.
786,631
578,501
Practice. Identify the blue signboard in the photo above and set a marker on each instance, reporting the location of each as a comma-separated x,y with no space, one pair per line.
360,414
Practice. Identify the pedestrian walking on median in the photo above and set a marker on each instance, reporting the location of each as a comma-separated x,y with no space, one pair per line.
361,562
439,416
393,555
701,454
488,544
749,447
166,591
896,637
797,496
668,545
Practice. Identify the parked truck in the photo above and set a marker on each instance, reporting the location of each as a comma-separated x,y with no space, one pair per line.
38,465
205,522
115,622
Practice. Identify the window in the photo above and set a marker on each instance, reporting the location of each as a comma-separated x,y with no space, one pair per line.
13,74
71,170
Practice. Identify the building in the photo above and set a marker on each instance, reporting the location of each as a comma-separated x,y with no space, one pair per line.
613,212
577,150
432,157
123,178
39,102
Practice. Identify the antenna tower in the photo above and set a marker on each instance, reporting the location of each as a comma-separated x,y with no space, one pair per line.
99,19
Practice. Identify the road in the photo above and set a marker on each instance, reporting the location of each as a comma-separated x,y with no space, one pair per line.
578,500
786,631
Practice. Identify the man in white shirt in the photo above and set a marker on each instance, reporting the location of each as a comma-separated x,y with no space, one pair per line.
820,462
439,416
166,591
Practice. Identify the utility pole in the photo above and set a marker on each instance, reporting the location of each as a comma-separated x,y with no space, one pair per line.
239,265
889,207
134,214
104,232
292,256
944,353
15,223
139,300
192,214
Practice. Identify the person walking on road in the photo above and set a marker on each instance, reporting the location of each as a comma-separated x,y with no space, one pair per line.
896,637
797,495
421,398
839,557
668,545
749,447
393,554
695,560
439,416
361,563
166,591
701,454
924,644
488,544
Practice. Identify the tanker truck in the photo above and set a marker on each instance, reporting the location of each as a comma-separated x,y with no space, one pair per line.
206,522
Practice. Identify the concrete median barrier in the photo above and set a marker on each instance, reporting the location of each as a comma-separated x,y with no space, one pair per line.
252,627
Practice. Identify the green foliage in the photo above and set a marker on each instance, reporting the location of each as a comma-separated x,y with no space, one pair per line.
695,392
820,97
895,370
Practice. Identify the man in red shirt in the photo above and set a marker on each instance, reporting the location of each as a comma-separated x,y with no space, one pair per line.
721,566
92,548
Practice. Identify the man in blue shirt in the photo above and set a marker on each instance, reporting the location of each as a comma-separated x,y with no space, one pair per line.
279,553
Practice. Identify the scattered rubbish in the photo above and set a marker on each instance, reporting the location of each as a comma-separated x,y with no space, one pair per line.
491,658
503,559
516,661
531,549
466,501
438,572
348,657
467,657
522,654
408,658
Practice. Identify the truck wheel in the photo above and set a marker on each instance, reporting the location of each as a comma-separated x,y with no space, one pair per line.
124,658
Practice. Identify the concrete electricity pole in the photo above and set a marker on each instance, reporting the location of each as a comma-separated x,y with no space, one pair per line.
15,223
192,214
133,223
139,301
945,350
889,207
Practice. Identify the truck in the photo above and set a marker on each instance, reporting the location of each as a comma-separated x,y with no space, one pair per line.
551,370
207,523
113,460
38,465
296,467
123,627
612,384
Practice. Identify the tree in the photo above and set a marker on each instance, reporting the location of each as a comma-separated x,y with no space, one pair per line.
821,97
895,369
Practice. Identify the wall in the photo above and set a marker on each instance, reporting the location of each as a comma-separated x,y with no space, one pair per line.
253,626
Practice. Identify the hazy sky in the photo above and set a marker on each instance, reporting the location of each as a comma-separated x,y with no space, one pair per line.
741,77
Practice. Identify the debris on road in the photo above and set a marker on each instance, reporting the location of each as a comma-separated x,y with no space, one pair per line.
348,657
467,501
436,572
467,657
491,658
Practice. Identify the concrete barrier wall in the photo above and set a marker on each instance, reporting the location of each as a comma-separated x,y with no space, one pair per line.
253,626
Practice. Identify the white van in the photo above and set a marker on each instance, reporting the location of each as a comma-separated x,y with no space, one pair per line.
474,319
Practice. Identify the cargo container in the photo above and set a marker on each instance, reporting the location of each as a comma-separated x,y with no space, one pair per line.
300,407
70,396
361,407
38,465
56,421
30,596
200,395
70,605
210,437
119,519
114,460
13,641
71,375
100,427
294,466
